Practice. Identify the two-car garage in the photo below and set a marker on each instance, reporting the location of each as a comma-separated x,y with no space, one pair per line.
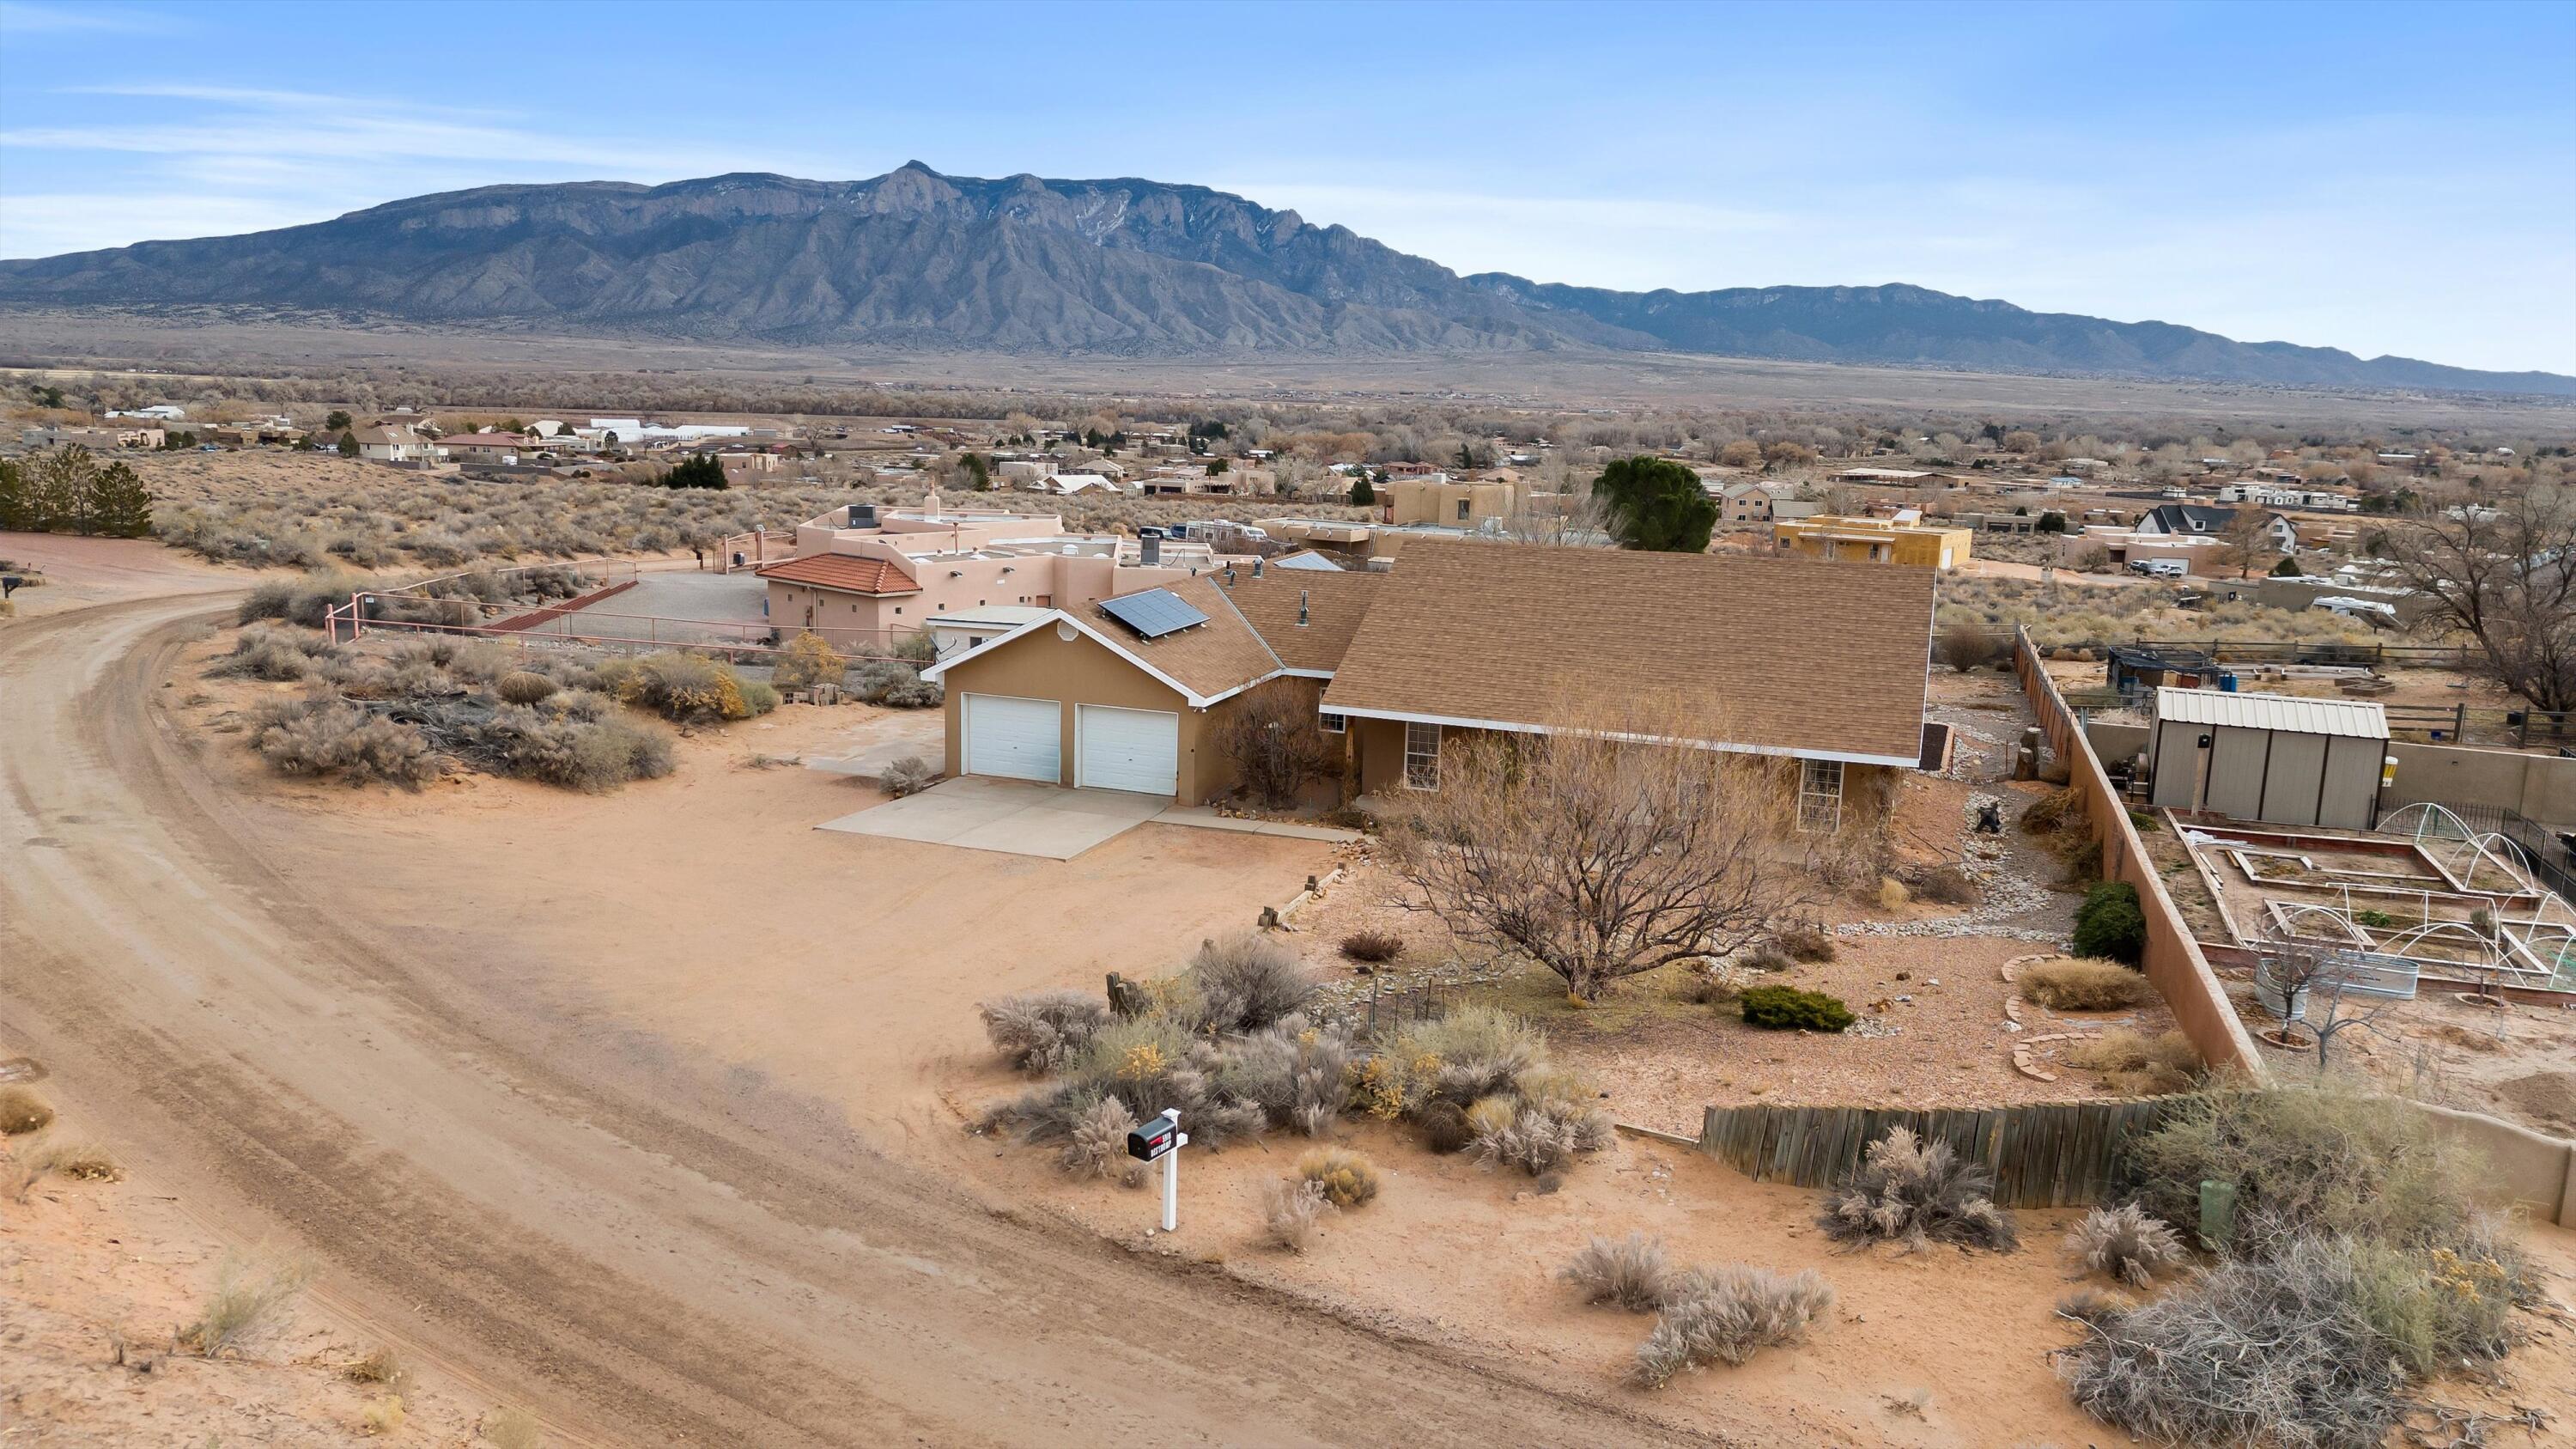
1136,750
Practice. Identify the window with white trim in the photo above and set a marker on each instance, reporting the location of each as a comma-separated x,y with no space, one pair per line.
1335,724
1421,756
1820,796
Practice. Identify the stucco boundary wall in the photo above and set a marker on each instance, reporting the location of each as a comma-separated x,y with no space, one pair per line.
2174,962
2537,1171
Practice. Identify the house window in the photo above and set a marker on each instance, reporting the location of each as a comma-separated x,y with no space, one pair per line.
1462,510
1820,795
1421,756
1335,724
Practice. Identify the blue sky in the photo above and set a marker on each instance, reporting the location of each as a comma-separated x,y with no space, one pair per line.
2384,178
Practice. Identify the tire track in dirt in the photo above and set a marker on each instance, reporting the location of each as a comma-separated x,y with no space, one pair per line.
643,1257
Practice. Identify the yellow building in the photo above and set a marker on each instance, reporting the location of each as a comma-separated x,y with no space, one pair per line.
1904,539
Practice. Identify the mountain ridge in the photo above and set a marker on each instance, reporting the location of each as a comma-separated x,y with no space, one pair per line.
1119,266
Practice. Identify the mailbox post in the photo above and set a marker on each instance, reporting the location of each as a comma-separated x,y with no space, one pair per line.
1162,1138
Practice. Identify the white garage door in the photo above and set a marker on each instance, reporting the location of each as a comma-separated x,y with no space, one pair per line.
1017,738
1128,749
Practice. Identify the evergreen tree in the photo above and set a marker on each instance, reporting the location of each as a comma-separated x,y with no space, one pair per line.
1362,495
119,506
60,483
337,422
348,444
702,471
17,504
1657,504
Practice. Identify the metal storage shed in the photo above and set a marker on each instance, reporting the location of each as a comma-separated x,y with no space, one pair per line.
2269,757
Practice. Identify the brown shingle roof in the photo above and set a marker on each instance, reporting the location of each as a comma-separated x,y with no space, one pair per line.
1334,602
849,573
1801,656
1217,657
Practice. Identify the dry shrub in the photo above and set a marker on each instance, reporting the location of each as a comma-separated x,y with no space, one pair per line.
1292,1210
1632,1272
2138,1066
1805,941
1444,1127
380,1366
1917,1193
2055,811
307,601
1097,1144
1471,1053
1043,1031
1346,1179
322,736
561,748
520,686
908,776
1541,1137
2083,984
1726,1315
22,1111
1892,894
381,1416
81,1162
692,689
512,1428
2125,1243
1948,885
1248,982
807,661
1373,947
251,1302
2267,1351
1299,1075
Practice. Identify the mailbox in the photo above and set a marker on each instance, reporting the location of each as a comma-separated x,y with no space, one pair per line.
1155,1138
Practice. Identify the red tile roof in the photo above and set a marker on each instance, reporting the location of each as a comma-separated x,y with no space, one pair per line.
849,573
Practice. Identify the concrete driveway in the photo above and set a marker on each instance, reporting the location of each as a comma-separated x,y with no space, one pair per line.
1011,816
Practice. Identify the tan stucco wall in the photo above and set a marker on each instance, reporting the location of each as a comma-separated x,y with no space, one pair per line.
2541,787
1040,665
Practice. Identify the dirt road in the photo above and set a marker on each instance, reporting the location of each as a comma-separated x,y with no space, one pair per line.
642,1264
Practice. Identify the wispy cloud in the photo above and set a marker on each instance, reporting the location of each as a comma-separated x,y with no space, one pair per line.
189,159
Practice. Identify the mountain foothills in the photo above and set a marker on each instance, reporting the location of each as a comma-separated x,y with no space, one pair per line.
917,260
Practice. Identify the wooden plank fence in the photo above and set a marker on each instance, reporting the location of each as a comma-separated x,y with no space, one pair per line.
2043,1154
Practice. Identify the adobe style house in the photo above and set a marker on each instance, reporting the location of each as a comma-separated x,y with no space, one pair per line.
862,577
1786,657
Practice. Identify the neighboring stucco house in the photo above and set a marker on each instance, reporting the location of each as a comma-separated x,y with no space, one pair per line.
1904,539
1452,503
1787,657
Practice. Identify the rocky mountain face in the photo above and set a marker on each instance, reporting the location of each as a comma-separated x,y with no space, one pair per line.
914,259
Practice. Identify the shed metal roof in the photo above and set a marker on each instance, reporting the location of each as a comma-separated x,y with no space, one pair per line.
2354,718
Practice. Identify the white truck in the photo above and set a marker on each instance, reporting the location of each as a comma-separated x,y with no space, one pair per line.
2160,568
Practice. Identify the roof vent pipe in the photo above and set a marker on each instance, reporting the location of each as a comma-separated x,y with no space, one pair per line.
1256,568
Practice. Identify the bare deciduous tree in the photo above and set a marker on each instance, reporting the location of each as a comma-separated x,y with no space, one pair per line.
1574,519
2246,541
1276,745
1598,855
2506,577
1964,644
2315,987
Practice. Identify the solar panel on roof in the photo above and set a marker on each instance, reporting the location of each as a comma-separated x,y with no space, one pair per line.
1153,613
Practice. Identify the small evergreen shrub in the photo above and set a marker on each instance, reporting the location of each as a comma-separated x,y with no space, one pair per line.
1786,1008
2111,924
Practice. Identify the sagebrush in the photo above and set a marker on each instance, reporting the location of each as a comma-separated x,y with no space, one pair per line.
1917,1193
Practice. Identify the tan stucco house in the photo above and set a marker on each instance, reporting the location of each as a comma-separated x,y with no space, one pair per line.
1789,657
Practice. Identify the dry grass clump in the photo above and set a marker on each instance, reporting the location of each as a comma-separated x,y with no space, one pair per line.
379,1366
522,687
686,688
908,776
1246,982
1346,1179
251,1302
1096,1145
1372,947
22,1111
382,1415
512,1428
1293,1210
1043,1031
2126,1244
325,736
1633,1272
2058,810
1726,1315
1917,1193
1298,1075
2074,983
2135,1065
